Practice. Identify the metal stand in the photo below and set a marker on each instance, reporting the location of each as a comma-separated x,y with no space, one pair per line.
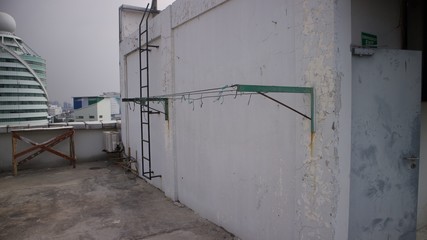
41,147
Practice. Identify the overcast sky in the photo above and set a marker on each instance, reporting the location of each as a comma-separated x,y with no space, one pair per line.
79,39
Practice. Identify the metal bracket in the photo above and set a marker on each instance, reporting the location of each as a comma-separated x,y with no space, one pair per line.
261,89
142,101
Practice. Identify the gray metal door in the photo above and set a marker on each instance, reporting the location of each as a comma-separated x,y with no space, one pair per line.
386,105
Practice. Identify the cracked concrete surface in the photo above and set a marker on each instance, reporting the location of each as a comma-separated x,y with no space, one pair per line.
97,200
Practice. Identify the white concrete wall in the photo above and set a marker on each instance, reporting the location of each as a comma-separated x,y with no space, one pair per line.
82,114
115,106
323,60
101,108
104,110
88,142
248,164
129,19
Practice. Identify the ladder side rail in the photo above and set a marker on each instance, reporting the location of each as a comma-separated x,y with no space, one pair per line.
141,84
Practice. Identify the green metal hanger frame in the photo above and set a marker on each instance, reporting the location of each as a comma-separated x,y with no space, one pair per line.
238,88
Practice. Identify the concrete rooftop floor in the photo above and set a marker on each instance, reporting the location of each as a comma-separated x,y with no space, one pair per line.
97,200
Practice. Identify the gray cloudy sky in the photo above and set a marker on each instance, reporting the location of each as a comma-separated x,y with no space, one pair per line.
79,40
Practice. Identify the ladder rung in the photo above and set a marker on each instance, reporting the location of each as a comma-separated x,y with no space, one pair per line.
146,49
146,158
145,123
143,32
152,176
151,112
144,86
146,141
144,68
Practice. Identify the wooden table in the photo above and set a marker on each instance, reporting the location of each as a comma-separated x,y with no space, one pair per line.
38,148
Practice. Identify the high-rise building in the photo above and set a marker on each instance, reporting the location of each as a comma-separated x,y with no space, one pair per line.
23,95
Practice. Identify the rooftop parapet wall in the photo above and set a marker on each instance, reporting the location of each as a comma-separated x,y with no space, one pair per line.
77,125
88,141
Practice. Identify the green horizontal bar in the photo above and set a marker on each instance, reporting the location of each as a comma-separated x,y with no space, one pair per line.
263,88
248,88
151,99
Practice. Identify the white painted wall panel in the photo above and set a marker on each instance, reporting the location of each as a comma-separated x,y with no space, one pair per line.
131,127
246,163
234,159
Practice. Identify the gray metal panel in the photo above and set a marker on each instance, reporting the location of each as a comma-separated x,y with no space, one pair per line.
386,89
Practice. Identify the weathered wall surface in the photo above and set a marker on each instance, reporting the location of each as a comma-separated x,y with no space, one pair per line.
129,18
323,61
389,25
246,163
236,162
385,133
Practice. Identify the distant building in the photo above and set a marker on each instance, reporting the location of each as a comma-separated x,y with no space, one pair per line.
96,108
67,106
23,95
115,103
54,110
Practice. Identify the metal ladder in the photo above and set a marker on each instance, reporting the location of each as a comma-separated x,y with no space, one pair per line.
144,92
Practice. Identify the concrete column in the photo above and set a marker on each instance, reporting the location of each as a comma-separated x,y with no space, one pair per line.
323,61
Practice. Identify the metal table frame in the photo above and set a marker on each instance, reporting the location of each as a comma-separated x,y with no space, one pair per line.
37,148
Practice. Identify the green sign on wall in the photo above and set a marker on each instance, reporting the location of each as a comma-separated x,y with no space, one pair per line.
369,40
